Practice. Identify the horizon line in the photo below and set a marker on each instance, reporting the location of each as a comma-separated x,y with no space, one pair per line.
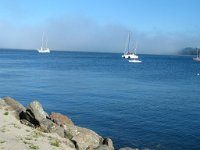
54,50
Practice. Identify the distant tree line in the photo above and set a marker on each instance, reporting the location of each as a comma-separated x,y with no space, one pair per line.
189,51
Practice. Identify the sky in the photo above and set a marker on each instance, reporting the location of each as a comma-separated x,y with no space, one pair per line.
158,26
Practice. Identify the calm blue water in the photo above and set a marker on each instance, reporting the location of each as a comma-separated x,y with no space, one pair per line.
154,104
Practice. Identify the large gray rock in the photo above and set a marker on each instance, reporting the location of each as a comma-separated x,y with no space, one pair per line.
70,143
70,131
36,116
85,138
28,118
48,126
109,143
60,131
60,119
14,106
36,109
82,137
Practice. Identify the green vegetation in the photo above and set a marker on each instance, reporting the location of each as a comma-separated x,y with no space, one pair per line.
1,142
55,143
6,113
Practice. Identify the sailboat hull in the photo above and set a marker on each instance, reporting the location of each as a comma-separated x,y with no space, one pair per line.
129,56
44,50
196,59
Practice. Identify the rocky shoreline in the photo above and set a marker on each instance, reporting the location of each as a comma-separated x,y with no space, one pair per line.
32,128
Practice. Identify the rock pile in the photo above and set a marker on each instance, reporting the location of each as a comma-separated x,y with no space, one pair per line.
34,115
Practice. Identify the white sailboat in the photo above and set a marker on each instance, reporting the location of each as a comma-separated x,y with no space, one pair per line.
198,57
43,49
131,56
127,54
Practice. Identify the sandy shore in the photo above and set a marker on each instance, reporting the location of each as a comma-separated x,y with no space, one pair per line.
16,136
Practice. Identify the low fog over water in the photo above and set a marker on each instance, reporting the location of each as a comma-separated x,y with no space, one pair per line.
85,34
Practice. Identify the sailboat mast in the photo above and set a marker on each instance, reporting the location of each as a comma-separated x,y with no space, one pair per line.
42,40
46,42
127,44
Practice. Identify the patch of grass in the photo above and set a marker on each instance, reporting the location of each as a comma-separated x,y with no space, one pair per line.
1,142
6,113
55,143
33,147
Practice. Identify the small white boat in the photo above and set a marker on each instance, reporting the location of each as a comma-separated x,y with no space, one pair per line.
134,61
43,49
127,54
198,57
131,56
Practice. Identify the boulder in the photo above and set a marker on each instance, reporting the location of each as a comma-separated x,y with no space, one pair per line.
109,143
48,126
60,119
36,116
60,131
37,111
14,106
28,118
70,131
70,144
85,138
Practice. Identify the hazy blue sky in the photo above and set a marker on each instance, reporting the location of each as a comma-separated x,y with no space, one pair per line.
159,26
